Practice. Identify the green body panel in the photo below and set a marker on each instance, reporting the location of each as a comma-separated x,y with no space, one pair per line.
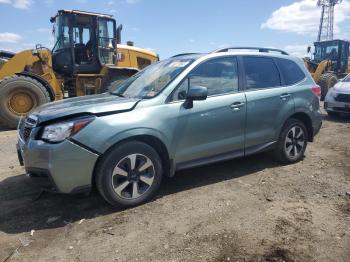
211,128
266,111
188,134
69,165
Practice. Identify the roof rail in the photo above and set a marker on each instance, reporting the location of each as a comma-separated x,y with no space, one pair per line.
260,49
184,54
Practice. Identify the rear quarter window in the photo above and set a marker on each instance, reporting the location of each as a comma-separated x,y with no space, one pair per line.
291,72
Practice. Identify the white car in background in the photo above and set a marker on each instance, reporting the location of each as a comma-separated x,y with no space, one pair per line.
337,100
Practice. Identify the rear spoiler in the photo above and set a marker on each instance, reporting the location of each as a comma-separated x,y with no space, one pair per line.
6,54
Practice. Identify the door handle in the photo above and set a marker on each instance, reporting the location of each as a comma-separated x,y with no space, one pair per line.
285,96
236,106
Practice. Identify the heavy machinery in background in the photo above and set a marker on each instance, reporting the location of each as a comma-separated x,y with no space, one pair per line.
86,59
329,63
330,60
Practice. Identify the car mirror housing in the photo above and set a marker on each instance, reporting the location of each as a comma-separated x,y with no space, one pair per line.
195,93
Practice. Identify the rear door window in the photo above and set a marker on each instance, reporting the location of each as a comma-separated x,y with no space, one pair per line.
291,72
261,72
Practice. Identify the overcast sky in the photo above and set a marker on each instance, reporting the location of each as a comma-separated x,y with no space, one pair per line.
171,27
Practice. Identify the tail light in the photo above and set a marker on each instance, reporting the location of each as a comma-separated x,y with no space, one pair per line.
316,89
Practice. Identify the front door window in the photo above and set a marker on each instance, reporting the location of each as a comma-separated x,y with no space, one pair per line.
219,76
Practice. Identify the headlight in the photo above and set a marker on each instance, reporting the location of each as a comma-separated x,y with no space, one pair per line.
58,132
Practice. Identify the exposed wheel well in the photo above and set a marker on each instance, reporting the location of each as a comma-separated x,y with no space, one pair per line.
307,122
152,141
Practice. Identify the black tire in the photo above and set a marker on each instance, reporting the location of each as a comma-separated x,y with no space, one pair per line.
110,85
108,185
20,85
326,81
281,151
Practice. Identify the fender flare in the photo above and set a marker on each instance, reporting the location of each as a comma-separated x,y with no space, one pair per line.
137,134
41,80
134,132
309,126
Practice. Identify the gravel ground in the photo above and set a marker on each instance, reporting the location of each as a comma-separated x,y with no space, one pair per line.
250,209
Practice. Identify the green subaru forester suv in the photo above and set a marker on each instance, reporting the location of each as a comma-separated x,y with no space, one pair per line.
182,112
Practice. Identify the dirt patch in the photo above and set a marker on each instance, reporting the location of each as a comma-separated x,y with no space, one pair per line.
279,255
250,209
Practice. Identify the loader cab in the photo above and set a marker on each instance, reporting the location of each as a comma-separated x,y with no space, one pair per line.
84,42
336,51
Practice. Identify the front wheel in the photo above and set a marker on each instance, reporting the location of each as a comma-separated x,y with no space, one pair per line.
292,142
129,174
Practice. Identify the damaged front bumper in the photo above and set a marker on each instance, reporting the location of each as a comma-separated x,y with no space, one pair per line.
64,167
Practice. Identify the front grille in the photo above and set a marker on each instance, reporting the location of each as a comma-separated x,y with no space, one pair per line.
343,98
25,127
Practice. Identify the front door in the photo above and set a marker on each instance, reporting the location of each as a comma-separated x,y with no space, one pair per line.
213,128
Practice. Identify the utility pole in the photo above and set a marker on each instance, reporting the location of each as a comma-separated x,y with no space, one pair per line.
325,31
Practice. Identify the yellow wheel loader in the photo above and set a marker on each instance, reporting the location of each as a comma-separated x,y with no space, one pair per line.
329,63
86,59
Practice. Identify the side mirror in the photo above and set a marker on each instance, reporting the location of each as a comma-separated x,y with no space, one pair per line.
195,93
119,34
308,49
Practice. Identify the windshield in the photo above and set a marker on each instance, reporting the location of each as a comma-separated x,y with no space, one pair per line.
152,80
326,52
61,33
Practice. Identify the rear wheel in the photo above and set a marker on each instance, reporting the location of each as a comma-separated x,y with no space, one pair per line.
292,142
327,80
18,96
129,174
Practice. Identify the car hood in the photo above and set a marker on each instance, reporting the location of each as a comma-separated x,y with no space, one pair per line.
342,87
102,104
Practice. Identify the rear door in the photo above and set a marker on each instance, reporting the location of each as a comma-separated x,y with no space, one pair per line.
268,102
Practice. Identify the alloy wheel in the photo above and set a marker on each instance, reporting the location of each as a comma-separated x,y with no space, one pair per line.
133,176
294,142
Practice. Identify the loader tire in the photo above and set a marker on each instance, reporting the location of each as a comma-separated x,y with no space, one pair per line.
18,96
326,81
110,86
